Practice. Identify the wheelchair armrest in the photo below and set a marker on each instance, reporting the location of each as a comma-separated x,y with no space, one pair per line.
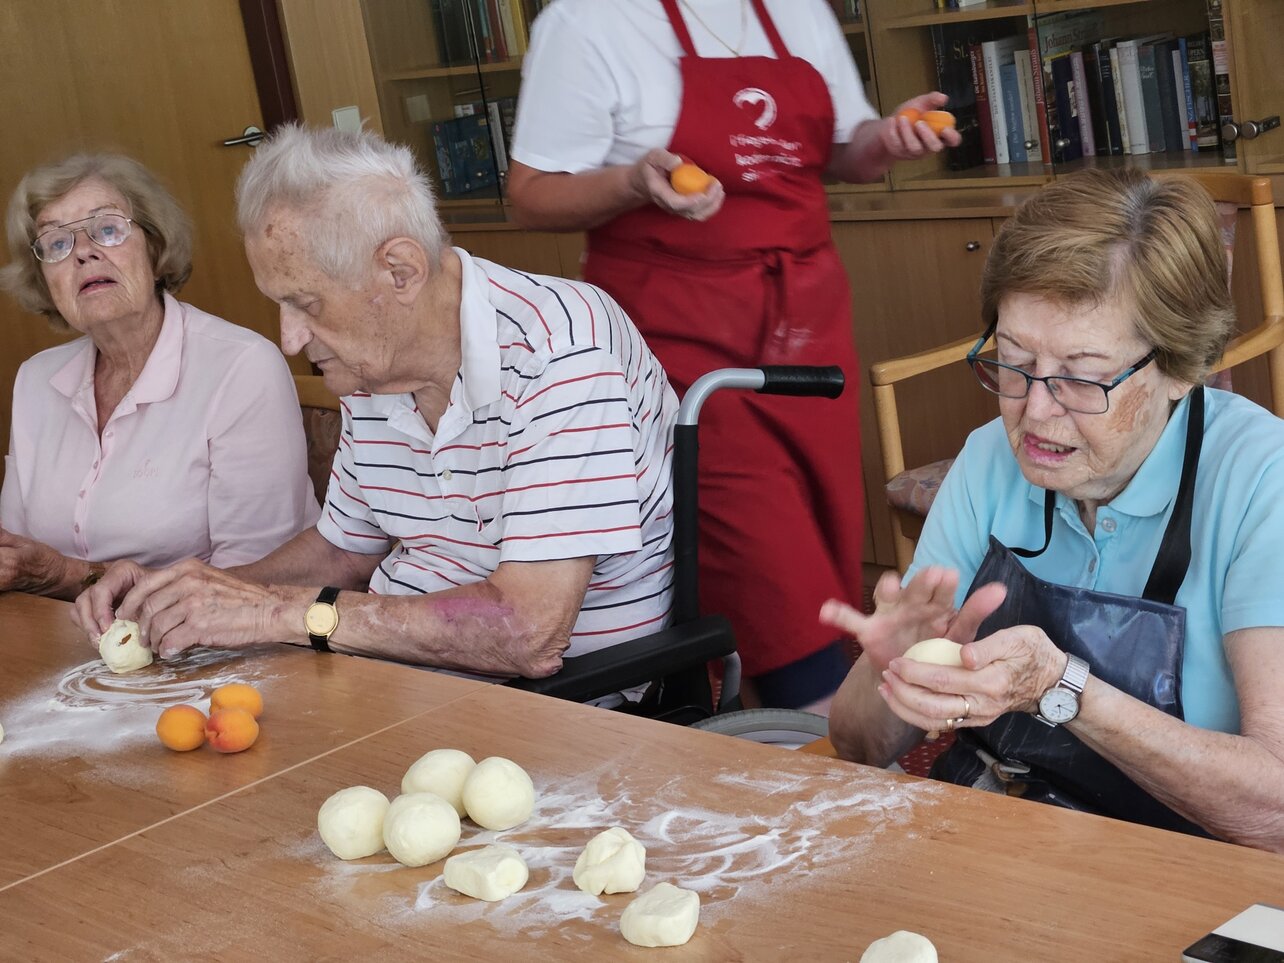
636,662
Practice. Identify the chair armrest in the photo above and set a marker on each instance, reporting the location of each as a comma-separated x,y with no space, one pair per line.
636,662
1266,336
898,369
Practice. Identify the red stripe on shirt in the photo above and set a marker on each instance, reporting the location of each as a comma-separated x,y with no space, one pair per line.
568,381
530,304
373,538
622,628
565,431
587,531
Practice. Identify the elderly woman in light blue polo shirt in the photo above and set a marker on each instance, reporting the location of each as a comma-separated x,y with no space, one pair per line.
1109,549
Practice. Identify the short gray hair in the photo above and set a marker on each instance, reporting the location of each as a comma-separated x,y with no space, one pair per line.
357,190
164,224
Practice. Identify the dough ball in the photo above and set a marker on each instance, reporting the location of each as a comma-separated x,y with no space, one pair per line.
937,652
490,874
1,733
612,862
498,794
443,772
662,916
901,947
420,828
122,649
351,822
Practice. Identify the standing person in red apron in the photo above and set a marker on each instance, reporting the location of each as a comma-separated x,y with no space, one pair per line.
616,94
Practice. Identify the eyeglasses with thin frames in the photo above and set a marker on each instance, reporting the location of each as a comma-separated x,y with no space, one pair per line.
105,230
1074,394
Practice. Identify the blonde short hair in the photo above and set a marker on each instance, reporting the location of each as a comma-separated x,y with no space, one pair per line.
1153,244
163,222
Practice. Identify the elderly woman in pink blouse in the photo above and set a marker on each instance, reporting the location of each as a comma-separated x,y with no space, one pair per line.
165,432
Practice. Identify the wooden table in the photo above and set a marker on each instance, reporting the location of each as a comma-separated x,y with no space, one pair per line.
796,857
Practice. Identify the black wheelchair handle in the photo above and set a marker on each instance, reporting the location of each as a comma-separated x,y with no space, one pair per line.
814,380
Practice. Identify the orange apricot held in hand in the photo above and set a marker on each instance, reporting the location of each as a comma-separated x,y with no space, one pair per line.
912,114
181,728
687,178
231,730
237,695
938,120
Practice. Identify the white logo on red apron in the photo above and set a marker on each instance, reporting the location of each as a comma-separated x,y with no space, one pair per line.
757,97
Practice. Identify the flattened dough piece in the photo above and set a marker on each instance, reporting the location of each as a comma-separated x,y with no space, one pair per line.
612,862
901,947
662,916
937,652
351,822
122,649
490,874
442,771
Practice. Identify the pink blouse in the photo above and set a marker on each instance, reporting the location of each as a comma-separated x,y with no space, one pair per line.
204,456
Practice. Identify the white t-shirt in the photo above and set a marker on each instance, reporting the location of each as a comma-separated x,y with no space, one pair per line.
601,84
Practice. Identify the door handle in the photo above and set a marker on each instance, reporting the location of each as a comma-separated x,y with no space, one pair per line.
250,137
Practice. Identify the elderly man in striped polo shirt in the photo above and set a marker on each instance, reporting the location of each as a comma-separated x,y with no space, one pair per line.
501,494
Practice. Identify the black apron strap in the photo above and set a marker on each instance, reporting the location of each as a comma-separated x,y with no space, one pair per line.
1173,558
1049,510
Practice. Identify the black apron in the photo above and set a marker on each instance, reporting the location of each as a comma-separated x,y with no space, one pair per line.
1134,644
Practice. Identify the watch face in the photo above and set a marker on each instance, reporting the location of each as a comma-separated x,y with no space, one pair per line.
1059,705
320,619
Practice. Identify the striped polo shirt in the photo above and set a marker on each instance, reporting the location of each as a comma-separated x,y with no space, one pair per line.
556,444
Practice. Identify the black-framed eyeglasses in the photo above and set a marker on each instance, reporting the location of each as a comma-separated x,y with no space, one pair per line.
105,230
1074,394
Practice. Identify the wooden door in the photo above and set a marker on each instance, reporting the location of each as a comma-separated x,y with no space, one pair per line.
1255,28
165,82
916,284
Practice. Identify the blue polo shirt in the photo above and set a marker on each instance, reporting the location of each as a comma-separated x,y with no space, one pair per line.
1236,575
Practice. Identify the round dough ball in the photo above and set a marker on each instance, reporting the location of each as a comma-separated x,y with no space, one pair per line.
936,652
612,862
498,794
122,649
490,874
443,772
662,916
351,822
901,947
420,828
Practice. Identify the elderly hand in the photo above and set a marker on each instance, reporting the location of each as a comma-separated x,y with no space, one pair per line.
903,615
192,604
651,180
29,566
1004,672
905,141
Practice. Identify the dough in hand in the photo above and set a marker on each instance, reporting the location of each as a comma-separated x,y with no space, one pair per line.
443,772
936,652
612,862
498,794
662,916
351,822
420,828
901,947
490,874
122,649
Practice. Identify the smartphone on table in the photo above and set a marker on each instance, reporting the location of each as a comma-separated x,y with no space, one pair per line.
1254,936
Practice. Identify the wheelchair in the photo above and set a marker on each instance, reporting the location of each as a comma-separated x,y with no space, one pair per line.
674,663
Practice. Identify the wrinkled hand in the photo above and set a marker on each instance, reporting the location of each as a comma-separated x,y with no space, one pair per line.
29,566
1004,672
95,608
903,615
651,180
905,141
192,604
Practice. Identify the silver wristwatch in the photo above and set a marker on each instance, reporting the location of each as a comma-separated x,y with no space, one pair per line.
1060,704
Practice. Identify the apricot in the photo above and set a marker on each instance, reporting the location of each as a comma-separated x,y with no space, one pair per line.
938,120
231,730
181,728
912,114
237,695
687,178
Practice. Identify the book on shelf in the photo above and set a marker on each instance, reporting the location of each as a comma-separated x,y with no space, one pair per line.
995,54
952,45
454,38
1055,34
1221,74
1032,133
1042,122
1134,105
982,93
1083,109
1013,119
1069,143
1173,122
1181,93
1121,113
1151,101
1101,96
465,154
1202,92
501,114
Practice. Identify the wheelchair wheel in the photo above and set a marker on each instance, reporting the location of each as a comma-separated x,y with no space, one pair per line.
787,728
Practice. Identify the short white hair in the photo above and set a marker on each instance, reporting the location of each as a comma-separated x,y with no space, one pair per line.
356,189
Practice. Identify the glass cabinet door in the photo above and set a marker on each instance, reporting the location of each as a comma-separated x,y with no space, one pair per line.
1254,31
447,74
851,19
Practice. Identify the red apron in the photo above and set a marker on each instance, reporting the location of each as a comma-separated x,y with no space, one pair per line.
782,507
